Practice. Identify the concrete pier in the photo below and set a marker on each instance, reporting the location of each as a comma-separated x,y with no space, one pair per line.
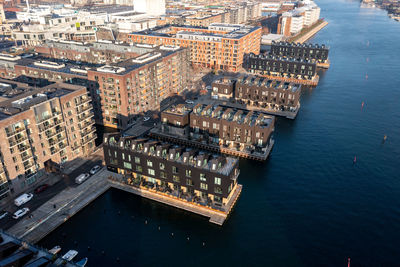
70,201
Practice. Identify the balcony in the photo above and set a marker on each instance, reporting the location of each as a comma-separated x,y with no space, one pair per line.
87,131
82,100
84,116
50,134
86,124
23,148
17,140
14,132
26,157
57,140
82,109
50,125
88,138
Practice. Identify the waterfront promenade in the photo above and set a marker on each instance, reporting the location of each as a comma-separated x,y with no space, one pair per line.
67,203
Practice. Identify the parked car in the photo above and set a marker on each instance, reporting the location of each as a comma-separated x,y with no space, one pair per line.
19,213
208,87
3,214
95,169
146,118
188,101
41,188
22,199
81,178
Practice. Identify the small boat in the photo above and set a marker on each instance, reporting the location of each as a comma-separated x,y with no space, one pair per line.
70,255
55,250
82,262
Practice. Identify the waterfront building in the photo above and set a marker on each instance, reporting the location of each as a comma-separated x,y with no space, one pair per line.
139,85
300,51
208,178
275,66
135,80
219,46
41,126
293,21
232,127
218,128
267,95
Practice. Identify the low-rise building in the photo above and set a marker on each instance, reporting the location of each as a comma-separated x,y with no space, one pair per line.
211,179
48,125
258,93
270,65
300,51
218,128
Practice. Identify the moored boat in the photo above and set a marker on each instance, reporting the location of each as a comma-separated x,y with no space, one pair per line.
70,255
55,250
82,262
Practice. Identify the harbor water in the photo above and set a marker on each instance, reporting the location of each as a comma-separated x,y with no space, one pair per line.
310,204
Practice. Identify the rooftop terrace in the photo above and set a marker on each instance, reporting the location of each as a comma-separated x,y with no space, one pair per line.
183,155
240,116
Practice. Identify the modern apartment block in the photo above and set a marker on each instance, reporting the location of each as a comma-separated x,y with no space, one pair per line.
119,91
219,128
267,64
39,126
271,96
293,21
100,52
219,46
211,179
232,127
138,85
315,52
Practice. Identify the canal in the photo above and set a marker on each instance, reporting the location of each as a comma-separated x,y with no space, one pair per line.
308,205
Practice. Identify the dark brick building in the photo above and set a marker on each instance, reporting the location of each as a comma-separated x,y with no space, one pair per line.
174,167
300,51
267,64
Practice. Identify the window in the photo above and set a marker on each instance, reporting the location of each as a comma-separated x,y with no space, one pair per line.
137,160
188,173
149,163
217,181
127,165
151,172
163,175
203,186
139,168
189,182
218,190
162,166
203,177
175,178
174,169
123,156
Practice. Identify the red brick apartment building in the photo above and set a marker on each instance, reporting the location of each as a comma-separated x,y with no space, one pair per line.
219,46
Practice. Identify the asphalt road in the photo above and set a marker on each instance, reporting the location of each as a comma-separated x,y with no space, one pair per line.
39,199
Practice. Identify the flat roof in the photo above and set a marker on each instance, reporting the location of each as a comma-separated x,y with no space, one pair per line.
23,96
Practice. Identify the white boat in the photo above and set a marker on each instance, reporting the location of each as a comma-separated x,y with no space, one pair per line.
55,250
82,262
70,255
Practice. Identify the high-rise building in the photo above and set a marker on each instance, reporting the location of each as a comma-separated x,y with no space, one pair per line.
219,46
40,126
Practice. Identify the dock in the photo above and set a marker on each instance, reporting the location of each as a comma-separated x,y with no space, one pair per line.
67,203
216,216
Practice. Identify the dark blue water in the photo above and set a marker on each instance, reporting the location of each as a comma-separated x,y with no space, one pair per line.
308,205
